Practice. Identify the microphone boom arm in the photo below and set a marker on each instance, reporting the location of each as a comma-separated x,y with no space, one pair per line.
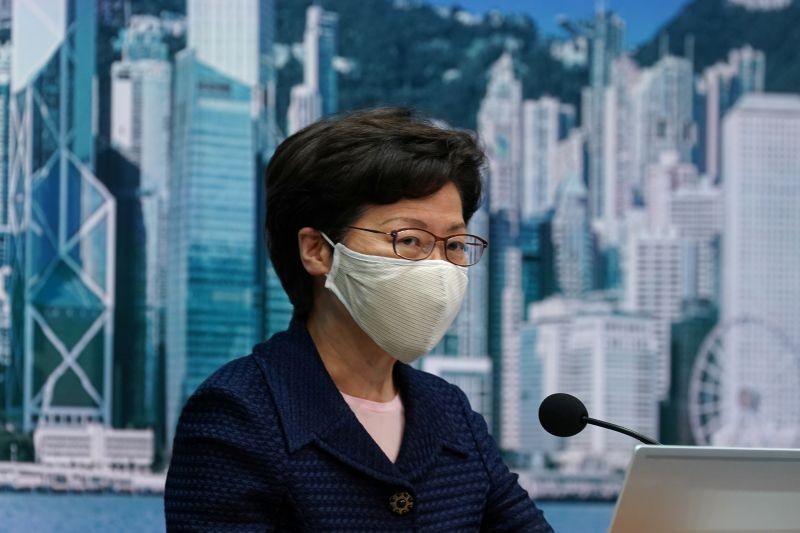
620,429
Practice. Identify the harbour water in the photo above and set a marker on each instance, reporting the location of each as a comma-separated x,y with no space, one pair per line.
95,513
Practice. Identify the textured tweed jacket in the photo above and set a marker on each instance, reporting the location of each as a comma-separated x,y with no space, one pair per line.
268,443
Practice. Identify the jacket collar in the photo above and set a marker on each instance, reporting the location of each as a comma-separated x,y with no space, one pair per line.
311,408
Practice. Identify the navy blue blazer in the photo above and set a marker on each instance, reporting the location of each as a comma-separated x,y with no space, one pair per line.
268,443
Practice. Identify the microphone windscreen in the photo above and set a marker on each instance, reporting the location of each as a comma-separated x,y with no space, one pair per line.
562,415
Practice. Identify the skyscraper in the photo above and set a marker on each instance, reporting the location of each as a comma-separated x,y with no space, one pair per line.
607,37
212,277
500,127
619,141
761,251
663,119
696,213
678,198
318,95
572,238
717,90
545,122
141,99
62,218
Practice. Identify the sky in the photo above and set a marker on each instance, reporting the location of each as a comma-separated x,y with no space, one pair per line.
642,17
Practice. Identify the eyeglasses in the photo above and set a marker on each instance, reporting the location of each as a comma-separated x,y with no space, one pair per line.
417,244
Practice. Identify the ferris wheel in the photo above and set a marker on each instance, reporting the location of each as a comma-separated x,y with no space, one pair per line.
745,387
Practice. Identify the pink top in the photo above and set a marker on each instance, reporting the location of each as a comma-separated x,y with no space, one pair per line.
384,421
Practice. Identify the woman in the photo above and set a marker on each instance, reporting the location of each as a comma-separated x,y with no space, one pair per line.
326,426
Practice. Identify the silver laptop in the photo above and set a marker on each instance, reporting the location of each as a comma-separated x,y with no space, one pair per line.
703,489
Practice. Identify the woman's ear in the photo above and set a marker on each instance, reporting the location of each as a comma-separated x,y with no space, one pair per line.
315,252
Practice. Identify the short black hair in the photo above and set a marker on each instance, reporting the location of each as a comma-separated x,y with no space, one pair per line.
325,175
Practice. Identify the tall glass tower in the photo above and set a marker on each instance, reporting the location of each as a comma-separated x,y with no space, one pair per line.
212,273
62,218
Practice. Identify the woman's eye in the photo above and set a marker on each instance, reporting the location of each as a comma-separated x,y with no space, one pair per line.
455,246
409,241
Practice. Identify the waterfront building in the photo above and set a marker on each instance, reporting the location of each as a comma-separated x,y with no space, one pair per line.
212,279
761,251
62,219
500,127
138,173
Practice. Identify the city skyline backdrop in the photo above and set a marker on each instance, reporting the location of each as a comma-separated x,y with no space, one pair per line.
641,248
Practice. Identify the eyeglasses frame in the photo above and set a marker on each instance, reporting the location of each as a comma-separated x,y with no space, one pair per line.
437,238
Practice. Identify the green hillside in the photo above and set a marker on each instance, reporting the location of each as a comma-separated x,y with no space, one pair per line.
718,26
402,53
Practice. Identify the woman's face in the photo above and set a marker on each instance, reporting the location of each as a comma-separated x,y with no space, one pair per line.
439,213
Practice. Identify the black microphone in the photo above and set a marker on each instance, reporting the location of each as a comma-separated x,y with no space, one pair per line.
564,415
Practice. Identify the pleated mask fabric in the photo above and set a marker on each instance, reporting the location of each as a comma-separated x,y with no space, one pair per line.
404,306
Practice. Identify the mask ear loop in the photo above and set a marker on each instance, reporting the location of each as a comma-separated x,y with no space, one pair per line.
334,263
327,239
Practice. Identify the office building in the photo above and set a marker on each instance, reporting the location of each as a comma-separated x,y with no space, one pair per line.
761,250
137,170
717,90
212,278
318,95
607,37
545,122
572,239
62,219
500,127
652,286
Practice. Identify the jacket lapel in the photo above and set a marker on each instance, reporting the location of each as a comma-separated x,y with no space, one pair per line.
429,426
311,409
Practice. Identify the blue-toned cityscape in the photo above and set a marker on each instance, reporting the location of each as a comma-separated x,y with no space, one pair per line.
643,226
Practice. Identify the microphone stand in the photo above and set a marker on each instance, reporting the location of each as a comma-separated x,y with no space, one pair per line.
620,429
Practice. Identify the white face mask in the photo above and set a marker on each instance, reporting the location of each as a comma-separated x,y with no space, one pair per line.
404,306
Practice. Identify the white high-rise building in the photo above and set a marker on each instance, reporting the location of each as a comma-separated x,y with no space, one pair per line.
761,251
545,122
606,358
696,214
570,156
717,91
663,119
234,54
662,179
652,280
607,36
619,140
317,95
500,127
572,238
